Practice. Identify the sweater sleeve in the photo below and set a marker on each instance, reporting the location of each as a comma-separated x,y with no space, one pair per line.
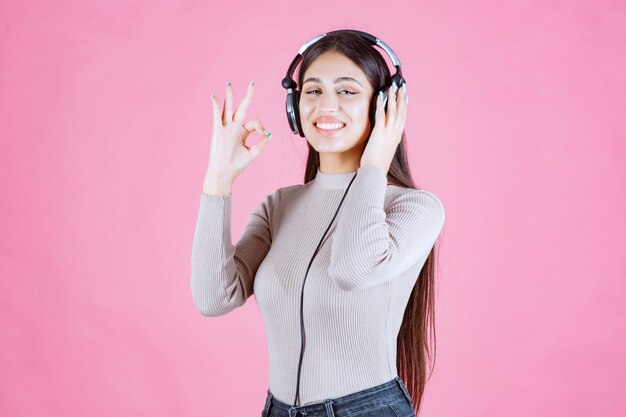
371,246
222,275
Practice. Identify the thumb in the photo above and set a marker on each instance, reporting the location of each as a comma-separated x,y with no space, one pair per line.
256,149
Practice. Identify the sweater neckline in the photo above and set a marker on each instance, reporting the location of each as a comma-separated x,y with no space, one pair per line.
333,180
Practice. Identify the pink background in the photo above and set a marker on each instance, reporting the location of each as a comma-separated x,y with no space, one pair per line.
516,121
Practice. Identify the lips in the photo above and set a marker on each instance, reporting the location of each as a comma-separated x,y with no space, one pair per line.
327,119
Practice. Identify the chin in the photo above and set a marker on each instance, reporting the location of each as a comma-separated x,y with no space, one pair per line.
328,145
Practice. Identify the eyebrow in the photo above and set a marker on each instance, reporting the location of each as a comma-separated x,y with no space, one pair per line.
317,80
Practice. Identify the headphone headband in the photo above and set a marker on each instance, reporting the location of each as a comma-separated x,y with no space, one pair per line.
293,95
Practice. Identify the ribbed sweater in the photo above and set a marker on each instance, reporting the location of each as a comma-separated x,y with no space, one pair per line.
356,289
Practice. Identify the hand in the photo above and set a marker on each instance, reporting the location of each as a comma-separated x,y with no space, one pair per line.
229,153
387,132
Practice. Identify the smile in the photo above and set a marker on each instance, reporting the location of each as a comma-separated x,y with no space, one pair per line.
328,128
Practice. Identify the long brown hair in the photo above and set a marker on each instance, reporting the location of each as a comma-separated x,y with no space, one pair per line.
412,344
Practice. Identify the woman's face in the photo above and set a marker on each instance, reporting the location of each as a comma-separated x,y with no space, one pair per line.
328,97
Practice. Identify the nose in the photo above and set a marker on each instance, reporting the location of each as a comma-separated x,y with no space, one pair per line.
328,102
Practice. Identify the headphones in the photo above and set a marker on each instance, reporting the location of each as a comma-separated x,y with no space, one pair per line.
293,95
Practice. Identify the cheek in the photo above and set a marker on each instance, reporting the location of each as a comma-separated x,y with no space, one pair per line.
304,107
360,111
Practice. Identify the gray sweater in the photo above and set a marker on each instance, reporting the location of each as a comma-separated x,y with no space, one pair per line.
357,287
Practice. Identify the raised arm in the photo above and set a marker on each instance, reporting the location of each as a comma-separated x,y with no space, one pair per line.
222,275
370,245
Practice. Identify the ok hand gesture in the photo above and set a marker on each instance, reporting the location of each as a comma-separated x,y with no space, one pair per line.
229,153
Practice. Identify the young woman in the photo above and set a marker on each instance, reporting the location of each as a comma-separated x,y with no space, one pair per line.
342,266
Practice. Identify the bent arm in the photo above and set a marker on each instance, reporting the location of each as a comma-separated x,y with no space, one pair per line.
222,274
371,246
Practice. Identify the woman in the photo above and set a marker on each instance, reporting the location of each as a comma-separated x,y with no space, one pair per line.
342,266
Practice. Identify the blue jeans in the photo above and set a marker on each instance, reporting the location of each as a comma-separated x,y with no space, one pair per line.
389,399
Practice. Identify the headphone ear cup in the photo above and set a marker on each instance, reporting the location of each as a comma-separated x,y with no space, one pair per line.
372,114
374,103
398,79
296,109
290,113
385,97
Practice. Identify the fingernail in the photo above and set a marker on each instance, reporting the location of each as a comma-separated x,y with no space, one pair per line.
407,99
380,94
252,82
394,86
268,134
404,87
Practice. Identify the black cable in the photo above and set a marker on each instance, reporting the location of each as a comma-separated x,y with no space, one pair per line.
302,343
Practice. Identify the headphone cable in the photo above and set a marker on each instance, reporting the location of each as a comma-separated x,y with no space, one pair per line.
302,342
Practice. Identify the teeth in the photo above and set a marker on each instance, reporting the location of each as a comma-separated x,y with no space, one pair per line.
329,126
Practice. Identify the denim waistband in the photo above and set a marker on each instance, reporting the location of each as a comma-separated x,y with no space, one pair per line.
387,392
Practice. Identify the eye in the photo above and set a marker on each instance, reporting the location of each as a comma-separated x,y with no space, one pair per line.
347,91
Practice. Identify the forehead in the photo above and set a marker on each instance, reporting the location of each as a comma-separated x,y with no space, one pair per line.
331,65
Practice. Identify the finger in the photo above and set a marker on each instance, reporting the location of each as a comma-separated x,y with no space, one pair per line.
242,109
391,106
380,110
258,147
402,95
228,105
217,113
255,125
402,108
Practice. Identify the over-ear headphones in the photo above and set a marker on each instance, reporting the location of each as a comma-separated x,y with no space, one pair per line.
293,94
